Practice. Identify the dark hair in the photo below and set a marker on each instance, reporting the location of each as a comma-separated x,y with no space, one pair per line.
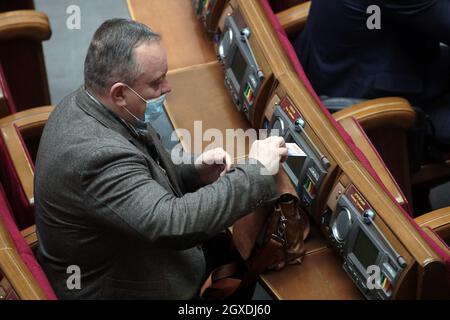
110,55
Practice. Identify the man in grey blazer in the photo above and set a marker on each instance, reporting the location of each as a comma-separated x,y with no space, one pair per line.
110,204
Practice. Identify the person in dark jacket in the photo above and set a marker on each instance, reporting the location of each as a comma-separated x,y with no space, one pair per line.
400,48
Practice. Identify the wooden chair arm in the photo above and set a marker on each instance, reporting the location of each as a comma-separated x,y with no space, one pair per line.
436,225
18,275
294,19
363,143
30,236
438,221
24,120
376,113
24,24
15,270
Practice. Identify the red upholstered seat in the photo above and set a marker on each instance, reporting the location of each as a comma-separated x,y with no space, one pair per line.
290,51
23,249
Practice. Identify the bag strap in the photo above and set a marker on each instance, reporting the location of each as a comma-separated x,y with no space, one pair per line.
220,284
222,272
260,263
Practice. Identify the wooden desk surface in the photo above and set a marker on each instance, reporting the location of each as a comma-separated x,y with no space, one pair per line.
182,33
199,94
320,276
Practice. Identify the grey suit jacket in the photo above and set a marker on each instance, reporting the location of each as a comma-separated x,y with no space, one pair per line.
114,205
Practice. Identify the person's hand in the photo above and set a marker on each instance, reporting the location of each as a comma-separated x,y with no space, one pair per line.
270,152
212,164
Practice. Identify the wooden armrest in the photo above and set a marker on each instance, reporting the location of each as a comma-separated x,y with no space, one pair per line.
24,23
19,276
376,113
15,270
438,221
30,236
436,225
294,19
24,120
363,143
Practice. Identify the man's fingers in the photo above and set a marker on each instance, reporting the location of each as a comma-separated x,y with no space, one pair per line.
283,152
224,171
281,142
218,156
228,162
277,141
214,156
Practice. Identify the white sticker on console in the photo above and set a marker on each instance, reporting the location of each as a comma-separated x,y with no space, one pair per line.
294,150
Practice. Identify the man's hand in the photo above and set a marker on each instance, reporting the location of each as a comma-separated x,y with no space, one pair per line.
212,164
270,152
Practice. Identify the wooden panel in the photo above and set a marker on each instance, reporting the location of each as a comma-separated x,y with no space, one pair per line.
198,94
182,33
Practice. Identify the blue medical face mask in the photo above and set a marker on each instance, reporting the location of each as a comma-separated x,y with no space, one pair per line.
153,109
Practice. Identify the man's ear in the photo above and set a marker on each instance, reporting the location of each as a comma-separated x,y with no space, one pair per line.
117,94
